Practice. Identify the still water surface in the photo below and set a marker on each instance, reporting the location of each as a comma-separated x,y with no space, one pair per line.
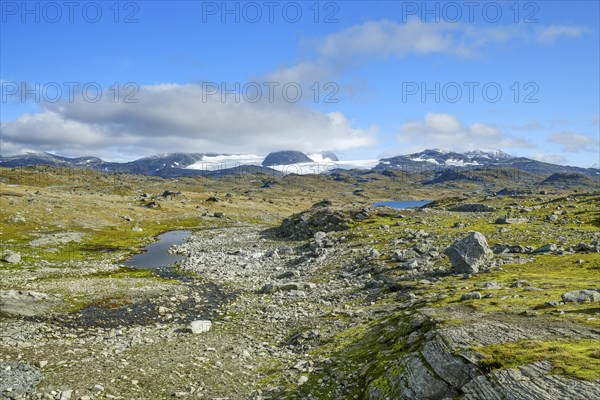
156,254
403,204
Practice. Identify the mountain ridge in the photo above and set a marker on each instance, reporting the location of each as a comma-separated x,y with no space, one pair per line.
175,164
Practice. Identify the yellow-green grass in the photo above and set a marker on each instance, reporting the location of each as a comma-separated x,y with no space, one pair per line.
577,358
553,274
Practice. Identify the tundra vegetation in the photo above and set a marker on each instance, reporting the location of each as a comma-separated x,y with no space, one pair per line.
295,287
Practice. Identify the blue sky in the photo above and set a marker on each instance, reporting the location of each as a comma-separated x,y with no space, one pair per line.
373,58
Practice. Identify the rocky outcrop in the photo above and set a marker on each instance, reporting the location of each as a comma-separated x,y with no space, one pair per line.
467,207
321,217
532,381
285,158
446,367
430,374
26,303
328,155
468,255
581,296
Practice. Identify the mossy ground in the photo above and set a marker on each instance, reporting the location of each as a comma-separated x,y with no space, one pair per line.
578,358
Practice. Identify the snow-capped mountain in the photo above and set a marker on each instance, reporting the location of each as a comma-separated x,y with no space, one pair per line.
439,160
494,154
435,159
41,158
286,162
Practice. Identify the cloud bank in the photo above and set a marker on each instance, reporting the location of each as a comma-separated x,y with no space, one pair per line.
171,118
446,131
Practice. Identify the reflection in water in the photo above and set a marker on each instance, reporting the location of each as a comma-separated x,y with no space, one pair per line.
157,254
403,204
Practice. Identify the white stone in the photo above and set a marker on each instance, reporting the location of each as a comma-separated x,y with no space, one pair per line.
200,326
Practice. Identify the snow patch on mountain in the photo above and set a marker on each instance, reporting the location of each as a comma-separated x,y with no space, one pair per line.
224,161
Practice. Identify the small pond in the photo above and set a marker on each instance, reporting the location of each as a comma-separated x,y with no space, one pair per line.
403,204
157,254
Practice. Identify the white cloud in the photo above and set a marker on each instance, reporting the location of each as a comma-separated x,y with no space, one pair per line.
548,35
342,50
446,131
171,118
575,142
528,126
377,39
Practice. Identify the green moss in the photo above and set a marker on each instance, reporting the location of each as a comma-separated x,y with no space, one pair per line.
368,353
110,302
580,359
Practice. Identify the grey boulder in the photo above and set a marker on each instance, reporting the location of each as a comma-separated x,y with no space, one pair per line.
468,255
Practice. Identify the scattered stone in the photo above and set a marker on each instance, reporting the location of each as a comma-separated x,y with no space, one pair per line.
97,388
169,194
372,284
519,284
153,204
548,248
137,229
18,380
374,253
533,289
11,257
411,264
581,296
490,285
471,296
285,250
288,274
291,286
163,310
269,288
510,221
468,255
200,326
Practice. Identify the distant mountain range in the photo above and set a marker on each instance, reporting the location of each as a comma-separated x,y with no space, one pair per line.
439,160
279,163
